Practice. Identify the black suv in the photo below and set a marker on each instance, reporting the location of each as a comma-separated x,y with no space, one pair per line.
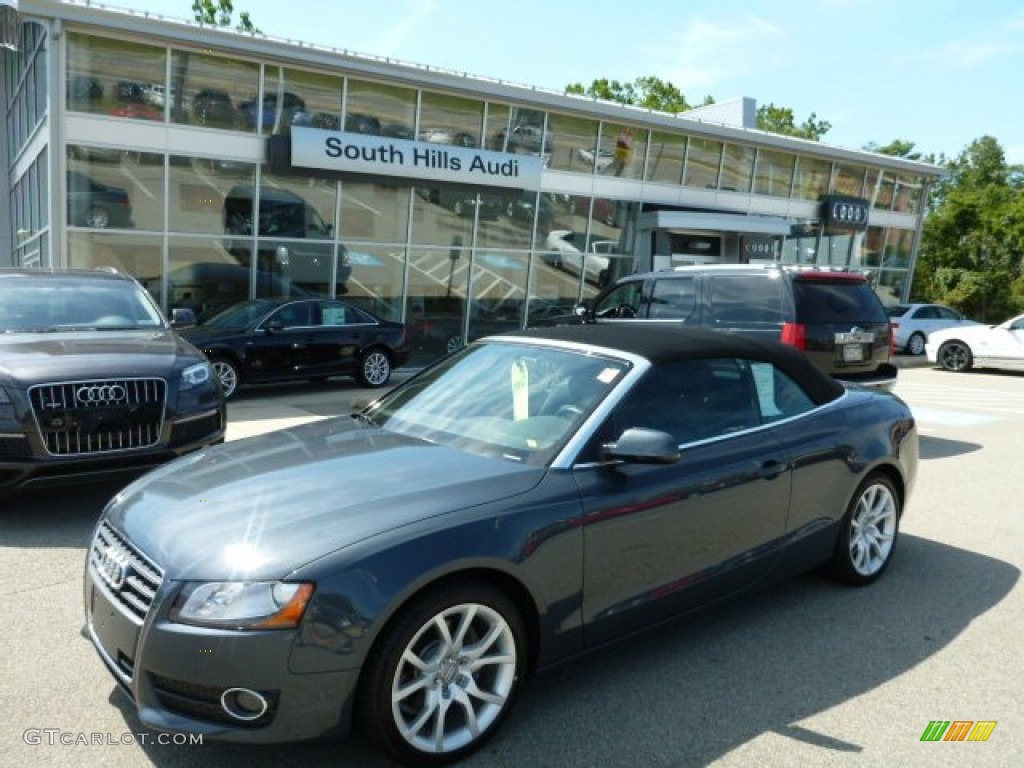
94,381
833,315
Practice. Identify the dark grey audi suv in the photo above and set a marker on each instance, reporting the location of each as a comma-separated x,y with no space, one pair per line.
94,381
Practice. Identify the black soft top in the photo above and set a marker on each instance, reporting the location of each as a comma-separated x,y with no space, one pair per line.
662,343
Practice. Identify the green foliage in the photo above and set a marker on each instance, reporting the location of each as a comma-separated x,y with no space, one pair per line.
781,120
220,14
649,92
972,244
895,148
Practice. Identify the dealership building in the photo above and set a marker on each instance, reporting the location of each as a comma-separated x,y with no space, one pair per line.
217,166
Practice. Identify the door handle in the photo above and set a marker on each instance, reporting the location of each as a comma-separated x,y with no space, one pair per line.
771,469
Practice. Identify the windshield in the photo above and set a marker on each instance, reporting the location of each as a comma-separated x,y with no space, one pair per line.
239,315
501,399
74,303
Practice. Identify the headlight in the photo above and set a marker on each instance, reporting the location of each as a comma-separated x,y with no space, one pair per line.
242,605
197,374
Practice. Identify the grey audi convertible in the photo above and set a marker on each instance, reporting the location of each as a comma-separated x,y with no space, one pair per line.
404,569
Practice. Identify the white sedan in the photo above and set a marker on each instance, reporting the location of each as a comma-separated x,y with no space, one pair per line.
983,346
912,324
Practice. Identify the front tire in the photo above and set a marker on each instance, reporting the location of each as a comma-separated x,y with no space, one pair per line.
444,675
374,368
915,345
956,356
229,375
868,534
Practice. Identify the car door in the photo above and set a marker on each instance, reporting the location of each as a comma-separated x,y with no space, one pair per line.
280,346
662,539
336,338
1005,345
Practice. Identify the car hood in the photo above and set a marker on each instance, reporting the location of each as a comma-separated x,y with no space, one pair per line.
261,507
31,358
203,334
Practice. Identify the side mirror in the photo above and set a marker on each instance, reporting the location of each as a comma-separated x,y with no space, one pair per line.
182,317
640,445
273,325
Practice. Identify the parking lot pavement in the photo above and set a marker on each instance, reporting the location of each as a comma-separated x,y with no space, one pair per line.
265,409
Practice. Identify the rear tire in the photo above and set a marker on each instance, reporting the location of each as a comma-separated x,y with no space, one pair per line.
915,346
868,533
444,675
97,217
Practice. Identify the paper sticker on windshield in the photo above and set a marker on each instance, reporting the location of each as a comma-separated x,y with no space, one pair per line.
608,375
520,378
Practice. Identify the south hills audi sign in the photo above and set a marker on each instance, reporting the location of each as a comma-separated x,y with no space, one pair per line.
337,151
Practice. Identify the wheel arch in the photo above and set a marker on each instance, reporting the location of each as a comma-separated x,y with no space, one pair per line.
501,580
216,353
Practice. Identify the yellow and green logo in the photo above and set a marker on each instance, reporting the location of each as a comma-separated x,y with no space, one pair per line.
958,730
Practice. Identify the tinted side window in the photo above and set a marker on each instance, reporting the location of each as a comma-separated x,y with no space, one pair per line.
778,396
745,300
819,301
673,299
692,400
294,315
622,301
946,314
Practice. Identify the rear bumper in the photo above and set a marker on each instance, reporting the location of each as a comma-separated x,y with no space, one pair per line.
883,378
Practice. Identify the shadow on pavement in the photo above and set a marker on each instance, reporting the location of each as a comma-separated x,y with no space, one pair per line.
696,690
942,448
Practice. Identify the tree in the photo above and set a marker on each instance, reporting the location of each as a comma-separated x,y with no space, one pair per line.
649,92
895,148
781,120
973,237
657,94
220,14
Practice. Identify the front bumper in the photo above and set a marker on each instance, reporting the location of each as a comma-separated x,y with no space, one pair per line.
176,674
24,463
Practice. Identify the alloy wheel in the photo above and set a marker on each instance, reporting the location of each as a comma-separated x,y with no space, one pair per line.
872,529
454,678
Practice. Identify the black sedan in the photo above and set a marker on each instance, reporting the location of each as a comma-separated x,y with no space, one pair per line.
546,492
286,339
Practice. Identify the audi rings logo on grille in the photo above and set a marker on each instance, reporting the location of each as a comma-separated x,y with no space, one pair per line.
101,394
113,567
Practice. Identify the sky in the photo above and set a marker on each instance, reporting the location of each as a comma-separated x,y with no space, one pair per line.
938,73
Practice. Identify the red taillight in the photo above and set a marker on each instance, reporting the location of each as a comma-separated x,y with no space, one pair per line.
795,334
892,338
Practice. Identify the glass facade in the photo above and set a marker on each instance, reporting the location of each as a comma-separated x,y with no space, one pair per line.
451,260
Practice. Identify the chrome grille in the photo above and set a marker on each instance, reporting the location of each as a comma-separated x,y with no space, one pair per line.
89,417
131,577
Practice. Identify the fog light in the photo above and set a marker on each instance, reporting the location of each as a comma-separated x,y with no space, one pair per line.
243,704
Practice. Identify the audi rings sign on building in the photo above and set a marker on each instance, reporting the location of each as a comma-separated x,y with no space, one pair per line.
101,394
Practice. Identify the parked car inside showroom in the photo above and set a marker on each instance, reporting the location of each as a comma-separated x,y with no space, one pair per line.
546,492
912,324
979,346
94,382
289,339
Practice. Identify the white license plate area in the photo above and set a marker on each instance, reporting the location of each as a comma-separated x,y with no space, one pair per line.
855,337
853,353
